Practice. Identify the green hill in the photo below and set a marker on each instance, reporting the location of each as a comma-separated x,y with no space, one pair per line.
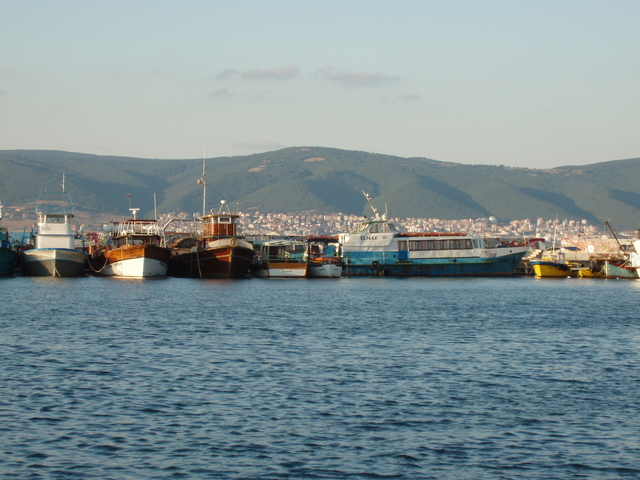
327,180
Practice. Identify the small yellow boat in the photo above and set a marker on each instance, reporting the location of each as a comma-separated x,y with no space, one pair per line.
549,268
588,273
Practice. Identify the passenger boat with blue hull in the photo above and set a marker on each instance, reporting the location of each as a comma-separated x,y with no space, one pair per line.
54,253
8,255
378,248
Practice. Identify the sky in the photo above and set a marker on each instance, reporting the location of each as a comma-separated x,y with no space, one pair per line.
534,84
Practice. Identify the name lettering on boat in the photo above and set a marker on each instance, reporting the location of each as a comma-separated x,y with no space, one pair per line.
369,237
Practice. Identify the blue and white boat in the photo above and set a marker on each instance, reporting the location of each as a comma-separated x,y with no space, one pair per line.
54,253
8,255
378,248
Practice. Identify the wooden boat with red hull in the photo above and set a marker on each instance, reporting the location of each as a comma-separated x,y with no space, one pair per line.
218,253
135,250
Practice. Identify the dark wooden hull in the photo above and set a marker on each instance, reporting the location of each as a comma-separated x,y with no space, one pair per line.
216,262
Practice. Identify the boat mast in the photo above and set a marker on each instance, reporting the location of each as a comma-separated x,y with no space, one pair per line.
203,182
616,238
376,215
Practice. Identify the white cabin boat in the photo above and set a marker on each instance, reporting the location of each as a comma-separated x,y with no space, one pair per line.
324,257
281,257
54,253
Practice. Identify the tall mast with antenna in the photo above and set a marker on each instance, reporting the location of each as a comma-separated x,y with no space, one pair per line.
203,182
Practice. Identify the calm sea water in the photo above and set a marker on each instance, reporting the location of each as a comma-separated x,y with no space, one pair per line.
512,378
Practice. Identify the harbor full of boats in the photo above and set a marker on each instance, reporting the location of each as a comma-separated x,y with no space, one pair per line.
141,248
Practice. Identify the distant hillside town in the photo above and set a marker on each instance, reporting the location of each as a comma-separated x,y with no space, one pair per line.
256,223
280,224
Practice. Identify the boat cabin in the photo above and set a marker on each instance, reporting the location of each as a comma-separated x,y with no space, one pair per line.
54,230
221,224
216,225
137,232
281,250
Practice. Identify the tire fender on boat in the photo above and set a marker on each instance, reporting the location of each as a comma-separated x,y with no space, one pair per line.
233,242
375,264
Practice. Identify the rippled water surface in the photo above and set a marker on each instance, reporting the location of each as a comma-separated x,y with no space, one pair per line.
332,379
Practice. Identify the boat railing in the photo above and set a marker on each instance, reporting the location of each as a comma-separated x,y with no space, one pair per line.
138,228
284,258
51,203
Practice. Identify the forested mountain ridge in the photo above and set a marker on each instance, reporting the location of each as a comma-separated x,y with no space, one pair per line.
327,180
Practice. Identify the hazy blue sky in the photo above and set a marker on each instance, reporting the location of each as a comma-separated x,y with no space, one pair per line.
520,83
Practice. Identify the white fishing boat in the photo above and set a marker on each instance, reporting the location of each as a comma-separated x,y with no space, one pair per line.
54,252
324,257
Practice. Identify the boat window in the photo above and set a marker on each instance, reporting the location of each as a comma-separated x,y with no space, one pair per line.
224,220
55,219
374,229
435,244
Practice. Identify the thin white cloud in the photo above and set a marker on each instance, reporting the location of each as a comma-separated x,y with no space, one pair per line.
413,97
258,145
355,79
228,73
221,92
281,73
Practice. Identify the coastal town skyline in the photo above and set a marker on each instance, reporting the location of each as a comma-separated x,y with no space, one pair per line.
255,223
